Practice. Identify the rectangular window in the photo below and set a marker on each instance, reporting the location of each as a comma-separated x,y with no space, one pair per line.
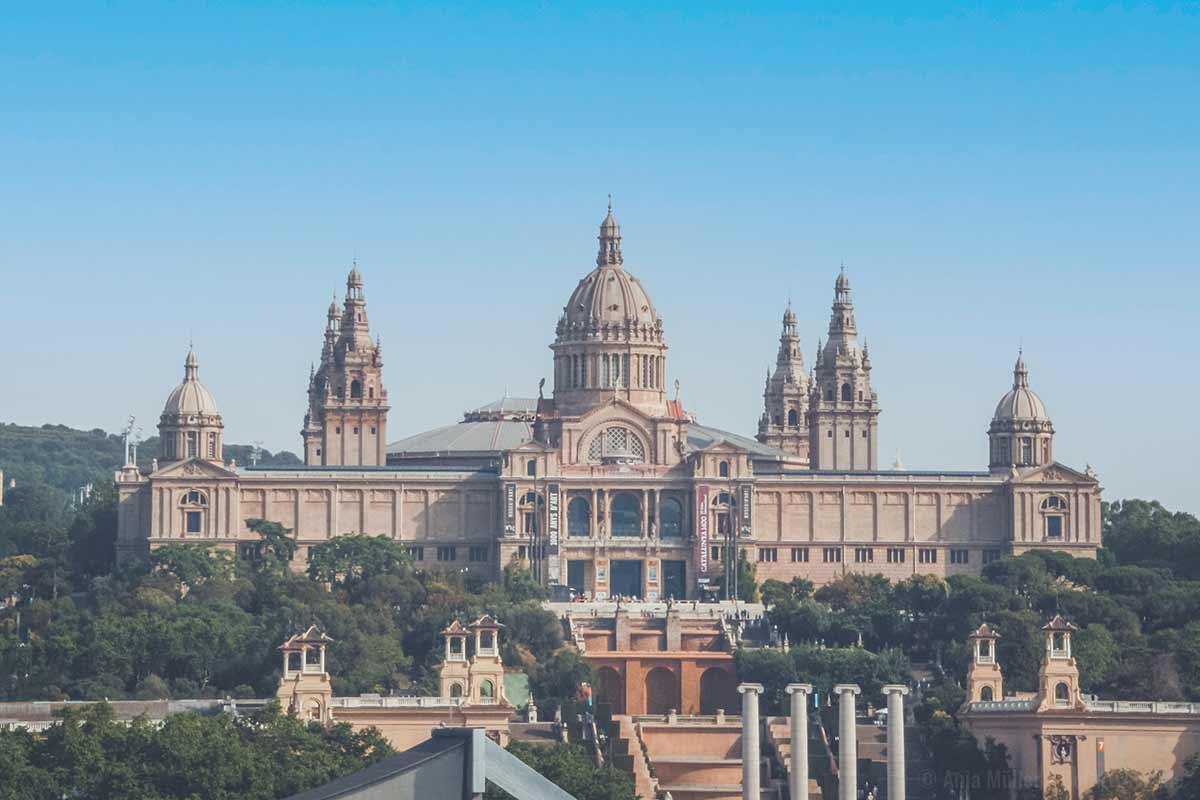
832,555
1054,527
416,552
191,444
480,552
446,553
768,554
714,553
193,522
864,555
895,555
248,552
212,445
990,555
960,556
800,554
927,555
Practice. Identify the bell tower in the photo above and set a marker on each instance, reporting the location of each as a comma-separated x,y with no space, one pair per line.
455,675
784,422
487,668
1058,678
984,681
346,423
305,690
843,408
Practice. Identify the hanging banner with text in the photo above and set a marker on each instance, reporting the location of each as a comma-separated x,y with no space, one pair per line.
702,535
510,509
746,501
552,528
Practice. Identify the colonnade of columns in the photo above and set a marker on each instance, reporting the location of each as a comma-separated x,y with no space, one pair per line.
847,736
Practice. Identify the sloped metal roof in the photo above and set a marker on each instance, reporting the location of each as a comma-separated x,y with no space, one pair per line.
508,405
702,436
492,436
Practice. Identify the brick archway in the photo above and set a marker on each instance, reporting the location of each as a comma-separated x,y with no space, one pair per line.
717,690
611,688
662,691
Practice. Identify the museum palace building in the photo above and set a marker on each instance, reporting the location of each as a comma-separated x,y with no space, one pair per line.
609,485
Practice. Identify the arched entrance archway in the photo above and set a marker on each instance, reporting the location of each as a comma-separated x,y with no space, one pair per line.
610,687
717,691
662,691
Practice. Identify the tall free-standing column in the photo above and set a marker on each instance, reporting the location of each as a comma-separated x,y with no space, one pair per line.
847,742
895,740
751,758
798,777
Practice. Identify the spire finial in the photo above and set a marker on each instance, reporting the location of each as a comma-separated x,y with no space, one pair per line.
610,202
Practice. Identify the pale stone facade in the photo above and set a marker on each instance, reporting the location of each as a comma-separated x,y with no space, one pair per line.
610,486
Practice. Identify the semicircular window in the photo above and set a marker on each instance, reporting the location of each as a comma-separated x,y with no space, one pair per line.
618,444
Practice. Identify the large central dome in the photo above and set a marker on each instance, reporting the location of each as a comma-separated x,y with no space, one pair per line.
609,340
608,294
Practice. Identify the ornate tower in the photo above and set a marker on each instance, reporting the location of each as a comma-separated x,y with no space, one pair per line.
487,668
1021,433
1058,678
190,425
984,680
843,409
455,674
609,340
346,423
784,423
305,689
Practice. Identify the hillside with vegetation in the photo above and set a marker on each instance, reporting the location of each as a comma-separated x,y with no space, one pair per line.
196,622
67,459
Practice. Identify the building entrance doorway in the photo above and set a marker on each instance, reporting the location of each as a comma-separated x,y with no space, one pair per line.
575,573
674,580
626,579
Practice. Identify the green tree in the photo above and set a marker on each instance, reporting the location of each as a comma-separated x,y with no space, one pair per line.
570,768
276,545
556,680
194,563
346,560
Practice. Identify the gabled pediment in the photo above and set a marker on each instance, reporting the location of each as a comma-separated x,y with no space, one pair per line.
615,409
193,468
1054,473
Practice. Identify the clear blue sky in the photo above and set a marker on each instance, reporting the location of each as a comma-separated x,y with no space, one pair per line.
991,177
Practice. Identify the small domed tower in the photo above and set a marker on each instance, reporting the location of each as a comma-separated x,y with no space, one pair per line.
609,339
984,680
784,423
1021,433
843,408
190,425
346,423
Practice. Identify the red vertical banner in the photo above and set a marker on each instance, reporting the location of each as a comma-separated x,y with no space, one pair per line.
702,535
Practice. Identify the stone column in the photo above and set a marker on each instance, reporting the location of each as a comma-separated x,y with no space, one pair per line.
895,740
848,742
751,758
798,776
